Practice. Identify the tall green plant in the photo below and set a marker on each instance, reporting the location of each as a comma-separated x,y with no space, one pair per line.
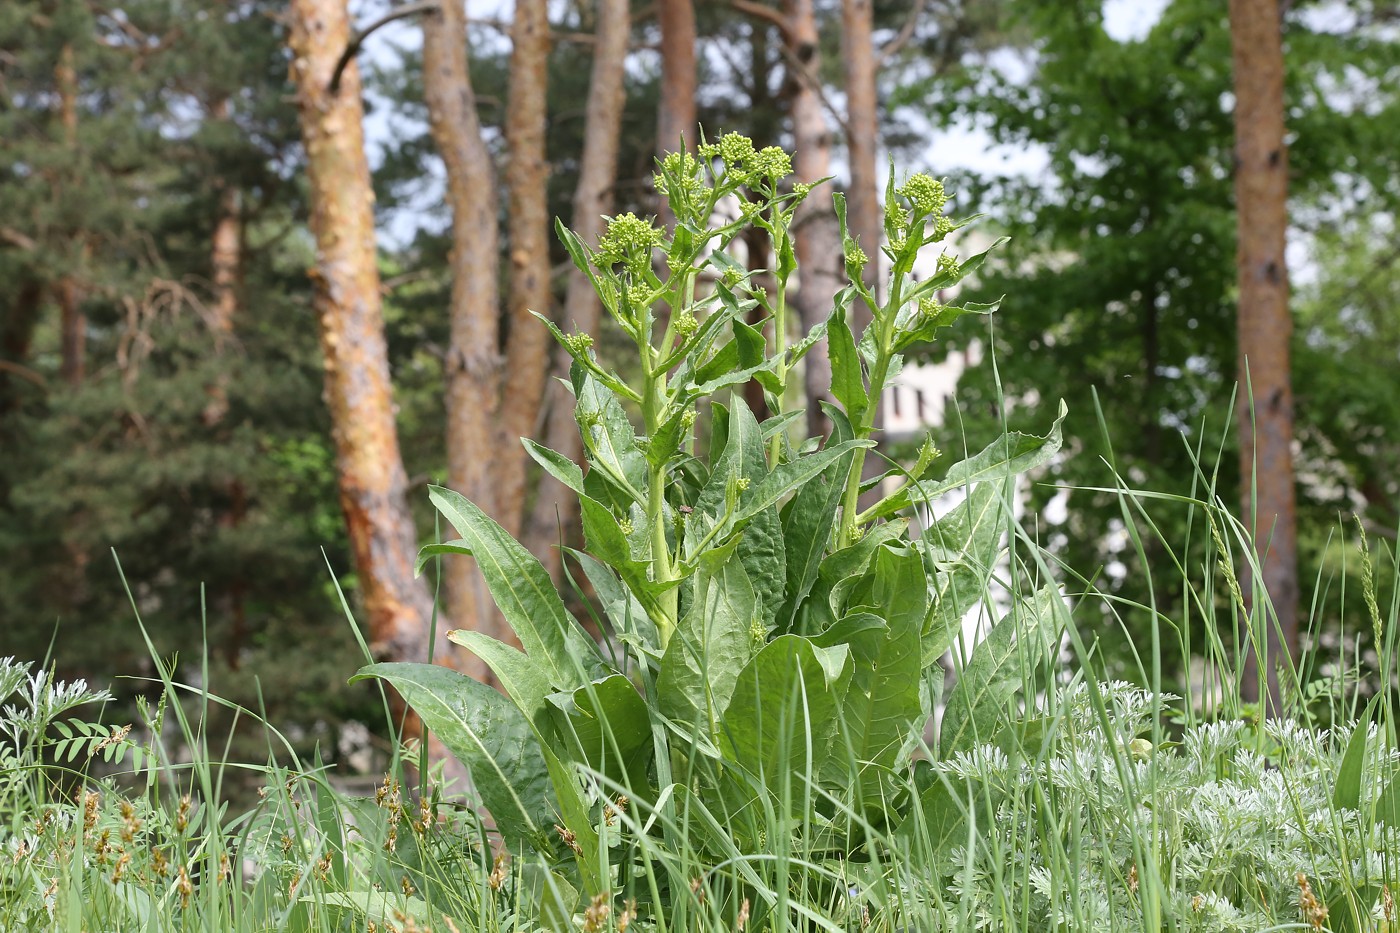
773,650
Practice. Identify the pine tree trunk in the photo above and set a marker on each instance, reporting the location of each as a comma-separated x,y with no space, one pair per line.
358,391
474,363
816,237
72,321
863,215
555,507
1265,327
16,335
527,178
862,124
675,113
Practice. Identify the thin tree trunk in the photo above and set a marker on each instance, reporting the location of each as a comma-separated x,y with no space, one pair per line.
527,177
474,363
863,216
16,336
358,390
859,65
816,237
1265,412
555,506
675,114
72,321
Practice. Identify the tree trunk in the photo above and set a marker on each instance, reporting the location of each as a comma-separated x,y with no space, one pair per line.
555,507
358,391
527,177
72,321
16,336
858,63
1265,412
816,237
863,216
675,114
474,363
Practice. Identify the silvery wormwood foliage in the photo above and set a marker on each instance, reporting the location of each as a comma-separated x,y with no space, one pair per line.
40,698
1230,816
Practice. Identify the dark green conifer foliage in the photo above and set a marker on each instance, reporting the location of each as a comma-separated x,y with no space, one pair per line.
182,112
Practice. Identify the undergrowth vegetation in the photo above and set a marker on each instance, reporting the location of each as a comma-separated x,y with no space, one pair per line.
791,721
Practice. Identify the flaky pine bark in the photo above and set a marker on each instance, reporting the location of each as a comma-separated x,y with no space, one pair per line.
474,362
527,177
358,392
862,128
675,112
556,507
1265,412
816,237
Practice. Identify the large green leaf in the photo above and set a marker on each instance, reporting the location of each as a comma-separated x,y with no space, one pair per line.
788,476
780,725
882,707
963,547
609,723
807,522
997,670
847,377
619,605
555,464
761,548
607,542
1008,455
711,644
523,680
488,734
610,443
525,595
1346,793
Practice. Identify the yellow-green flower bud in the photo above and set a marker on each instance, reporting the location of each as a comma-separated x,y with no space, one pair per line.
578,343
772,162
686,323
925,193
948,264
736,150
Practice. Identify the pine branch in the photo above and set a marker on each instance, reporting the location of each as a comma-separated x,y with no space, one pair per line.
356,41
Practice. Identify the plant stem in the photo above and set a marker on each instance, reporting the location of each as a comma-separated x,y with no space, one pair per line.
883,320
780,348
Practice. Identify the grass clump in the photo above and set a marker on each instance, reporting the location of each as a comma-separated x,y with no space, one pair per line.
788,725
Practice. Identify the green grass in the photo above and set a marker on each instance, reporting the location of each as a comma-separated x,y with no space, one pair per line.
1102,806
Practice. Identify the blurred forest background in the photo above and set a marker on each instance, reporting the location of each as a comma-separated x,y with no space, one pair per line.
182,383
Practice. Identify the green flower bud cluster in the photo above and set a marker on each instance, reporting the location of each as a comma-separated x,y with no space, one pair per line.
629,240
731,277
742,483
930,307
742,161
772,162
688,420
638,295
578,343
925,193
855,257
686,324
625,526
683,169
948,264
